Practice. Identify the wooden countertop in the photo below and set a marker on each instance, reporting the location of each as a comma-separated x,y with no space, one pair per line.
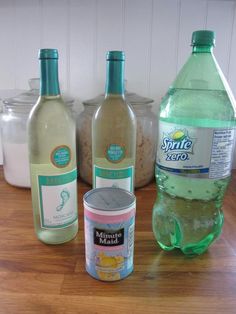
36,278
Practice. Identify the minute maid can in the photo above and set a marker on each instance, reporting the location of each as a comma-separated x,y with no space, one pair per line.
109,233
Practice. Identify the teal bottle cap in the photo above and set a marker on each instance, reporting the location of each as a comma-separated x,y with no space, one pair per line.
115,56
203,38
48,54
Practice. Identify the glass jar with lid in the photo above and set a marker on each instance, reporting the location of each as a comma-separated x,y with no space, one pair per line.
14,134
146,138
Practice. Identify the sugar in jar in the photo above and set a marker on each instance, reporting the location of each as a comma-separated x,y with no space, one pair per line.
14,134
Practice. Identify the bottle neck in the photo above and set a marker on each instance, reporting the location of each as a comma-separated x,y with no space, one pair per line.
49,83
202,49
115,78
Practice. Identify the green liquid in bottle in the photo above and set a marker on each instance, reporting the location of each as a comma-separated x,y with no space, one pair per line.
197,118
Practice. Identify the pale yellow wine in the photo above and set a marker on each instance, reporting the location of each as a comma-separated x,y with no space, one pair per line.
114,132
51,137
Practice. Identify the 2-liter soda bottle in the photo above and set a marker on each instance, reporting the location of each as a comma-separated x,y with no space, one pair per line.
195,152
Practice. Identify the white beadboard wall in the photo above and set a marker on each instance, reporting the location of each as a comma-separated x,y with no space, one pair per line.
155,34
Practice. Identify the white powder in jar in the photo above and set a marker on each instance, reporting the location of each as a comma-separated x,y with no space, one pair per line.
16,164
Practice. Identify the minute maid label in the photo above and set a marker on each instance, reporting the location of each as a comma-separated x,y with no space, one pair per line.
120,178
108,238
58,200
197,152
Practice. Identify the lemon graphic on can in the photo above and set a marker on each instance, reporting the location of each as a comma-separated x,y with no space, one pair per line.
178,135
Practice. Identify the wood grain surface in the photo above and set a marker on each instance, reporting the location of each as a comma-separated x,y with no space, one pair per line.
38,278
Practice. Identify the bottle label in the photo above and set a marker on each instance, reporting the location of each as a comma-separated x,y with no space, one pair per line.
119,178
194,151
58,200
61,156
115,153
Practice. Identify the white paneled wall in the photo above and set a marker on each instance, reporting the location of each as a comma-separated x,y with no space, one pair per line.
155,35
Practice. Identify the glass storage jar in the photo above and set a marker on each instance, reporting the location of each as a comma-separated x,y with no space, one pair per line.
14,134
146,138
6,93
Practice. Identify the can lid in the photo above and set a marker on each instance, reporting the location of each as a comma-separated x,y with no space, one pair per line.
109,199
203,38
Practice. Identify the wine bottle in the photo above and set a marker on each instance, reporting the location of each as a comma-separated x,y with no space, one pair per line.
52,155
114,131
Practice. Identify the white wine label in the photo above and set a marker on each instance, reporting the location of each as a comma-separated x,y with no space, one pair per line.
61,156
115,153
58,199
119,178
194,151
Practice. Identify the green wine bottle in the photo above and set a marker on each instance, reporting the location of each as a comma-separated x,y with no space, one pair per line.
114,131
51,140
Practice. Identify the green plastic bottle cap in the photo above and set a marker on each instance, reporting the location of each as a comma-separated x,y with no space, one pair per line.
115,56
203,38
48,54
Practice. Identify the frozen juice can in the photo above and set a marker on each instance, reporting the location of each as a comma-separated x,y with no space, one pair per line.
109,220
